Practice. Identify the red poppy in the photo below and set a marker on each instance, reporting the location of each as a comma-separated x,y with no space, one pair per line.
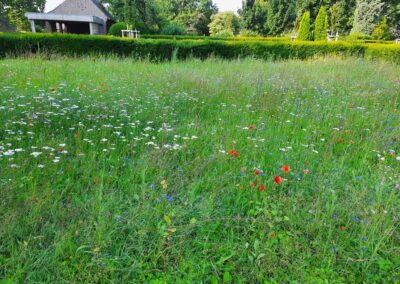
236,154
251,127
256,172
252,185
286,169
230,152
340,141
278,179
262,187
273,235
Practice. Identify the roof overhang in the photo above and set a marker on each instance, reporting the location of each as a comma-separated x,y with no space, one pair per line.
63,18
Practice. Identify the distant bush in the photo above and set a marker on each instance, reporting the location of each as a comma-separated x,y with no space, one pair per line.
166,49
249,33
358,36
224,33
173,28
115,29
382,31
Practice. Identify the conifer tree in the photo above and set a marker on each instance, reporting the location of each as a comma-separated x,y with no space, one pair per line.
321,26
366,15
304,29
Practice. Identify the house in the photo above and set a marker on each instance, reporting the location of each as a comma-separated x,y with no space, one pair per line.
75,16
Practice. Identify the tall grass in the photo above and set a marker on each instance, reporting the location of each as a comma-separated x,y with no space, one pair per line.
121,171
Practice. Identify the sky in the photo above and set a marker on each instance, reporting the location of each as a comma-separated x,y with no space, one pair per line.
223,5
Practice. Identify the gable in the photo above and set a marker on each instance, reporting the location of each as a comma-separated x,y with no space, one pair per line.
82,7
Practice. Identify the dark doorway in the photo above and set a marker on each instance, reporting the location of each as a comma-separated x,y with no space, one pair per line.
77,28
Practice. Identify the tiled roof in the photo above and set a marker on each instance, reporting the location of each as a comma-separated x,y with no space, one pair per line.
82,7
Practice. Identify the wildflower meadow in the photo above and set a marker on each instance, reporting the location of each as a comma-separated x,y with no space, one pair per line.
243,171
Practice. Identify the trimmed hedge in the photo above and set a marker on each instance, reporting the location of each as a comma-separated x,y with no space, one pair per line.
17,44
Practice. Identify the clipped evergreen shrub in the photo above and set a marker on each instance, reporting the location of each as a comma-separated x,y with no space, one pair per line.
304,29
321,25
115,29
16,44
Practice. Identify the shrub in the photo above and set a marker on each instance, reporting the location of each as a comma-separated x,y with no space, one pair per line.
304,29
115,29
382,31
249,33
224,33
173,28
358,36
321,25
165,49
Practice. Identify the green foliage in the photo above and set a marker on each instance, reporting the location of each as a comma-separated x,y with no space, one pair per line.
341,16
144,15
173,28
304,29
254,16
14,11
224,33
191,14
280,16
166,49
115,29
382,31
321,23
248,33
358,36
366,15
225,22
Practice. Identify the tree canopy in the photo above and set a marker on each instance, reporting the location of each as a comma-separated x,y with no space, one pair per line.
14,11
262,17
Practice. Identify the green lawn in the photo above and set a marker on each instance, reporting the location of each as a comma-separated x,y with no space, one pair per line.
116,171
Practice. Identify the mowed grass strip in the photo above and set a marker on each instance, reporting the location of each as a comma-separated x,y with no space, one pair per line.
199,171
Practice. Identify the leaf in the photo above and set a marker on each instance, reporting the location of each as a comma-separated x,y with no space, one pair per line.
261,255
223,259
227,277
167,219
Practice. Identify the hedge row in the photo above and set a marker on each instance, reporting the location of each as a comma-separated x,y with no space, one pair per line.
243,38
196,37
162,49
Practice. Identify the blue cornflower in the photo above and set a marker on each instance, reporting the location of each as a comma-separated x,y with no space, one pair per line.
167,197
